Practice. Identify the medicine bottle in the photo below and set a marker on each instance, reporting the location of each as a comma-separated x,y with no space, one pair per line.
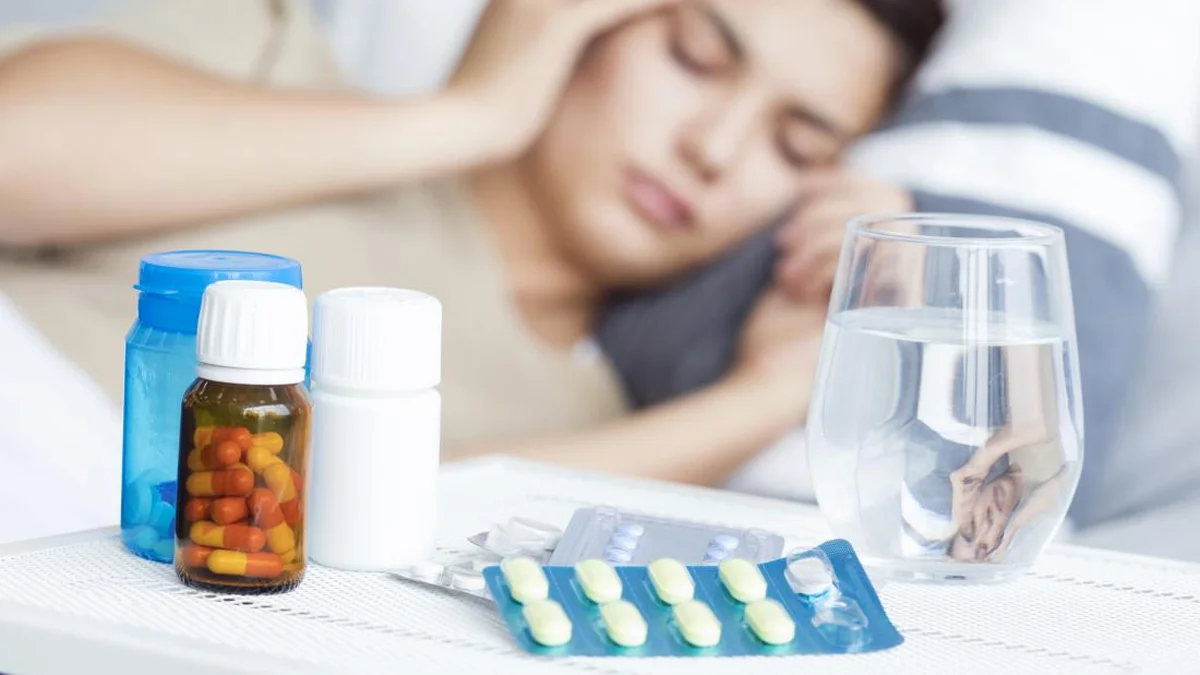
376,428
243,442
160,364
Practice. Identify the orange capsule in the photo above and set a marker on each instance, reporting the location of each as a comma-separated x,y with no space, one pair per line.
202,436
195,555
237,480
229,510
241,437
196,509
214,456
235,537
270,441
292,511
238,564
264,508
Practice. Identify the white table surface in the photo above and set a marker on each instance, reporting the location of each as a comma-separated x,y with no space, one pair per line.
81,604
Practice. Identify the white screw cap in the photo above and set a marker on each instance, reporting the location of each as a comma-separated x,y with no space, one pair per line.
377,340
252,332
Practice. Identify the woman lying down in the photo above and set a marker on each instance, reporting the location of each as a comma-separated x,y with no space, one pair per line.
583,148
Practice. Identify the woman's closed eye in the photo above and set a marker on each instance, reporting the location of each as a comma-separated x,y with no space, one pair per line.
801,145
701,42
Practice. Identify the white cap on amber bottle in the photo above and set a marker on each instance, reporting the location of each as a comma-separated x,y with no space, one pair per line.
379,340
252,332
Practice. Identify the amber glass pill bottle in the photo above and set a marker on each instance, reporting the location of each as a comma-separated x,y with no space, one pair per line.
243,444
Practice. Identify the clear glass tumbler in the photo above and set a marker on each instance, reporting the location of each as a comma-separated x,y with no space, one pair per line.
945,435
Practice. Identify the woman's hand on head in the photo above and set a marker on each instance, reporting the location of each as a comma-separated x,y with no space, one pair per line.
523,54
812,242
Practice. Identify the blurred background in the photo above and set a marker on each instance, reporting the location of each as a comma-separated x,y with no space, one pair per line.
1081,114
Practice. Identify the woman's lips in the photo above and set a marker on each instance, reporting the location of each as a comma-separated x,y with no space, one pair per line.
656,202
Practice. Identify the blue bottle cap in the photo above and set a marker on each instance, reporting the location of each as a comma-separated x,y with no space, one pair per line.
172,284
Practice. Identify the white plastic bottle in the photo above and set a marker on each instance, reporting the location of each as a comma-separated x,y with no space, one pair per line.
372,503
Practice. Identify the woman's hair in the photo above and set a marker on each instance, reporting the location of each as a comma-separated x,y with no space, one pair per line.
914,24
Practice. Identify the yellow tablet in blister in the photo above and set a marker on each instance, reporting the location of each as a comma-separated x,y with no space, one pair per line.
770,622
598,580
624,623
525,578
697,623
672,581
743,580
548,623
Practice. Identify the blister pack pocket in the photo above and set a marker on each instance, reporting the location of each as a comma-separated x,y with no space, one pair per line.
623,538
814,601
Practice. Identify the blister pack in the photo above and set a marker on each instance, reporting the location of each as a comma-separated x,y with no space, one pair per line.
462,571
622,538
814,601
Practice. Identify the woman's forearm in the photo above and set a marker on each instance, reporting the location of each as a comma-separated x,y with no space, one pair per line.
98,139
701,438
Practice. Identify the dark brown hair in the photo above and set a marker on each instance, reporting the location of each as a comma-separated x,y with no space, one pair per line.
914,24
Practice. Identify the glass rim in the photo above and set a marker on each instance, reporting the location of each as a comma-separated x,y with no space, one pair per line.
1025,232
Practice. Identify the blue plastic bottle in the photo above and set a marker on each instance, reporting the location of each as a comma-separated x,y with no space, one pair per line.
160,364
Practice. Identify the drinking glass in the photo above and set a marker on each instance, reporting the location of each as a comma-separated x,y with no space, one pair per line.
945,435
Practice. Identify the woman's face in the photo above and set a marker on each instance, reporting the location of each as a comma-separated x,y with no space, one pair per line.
684,132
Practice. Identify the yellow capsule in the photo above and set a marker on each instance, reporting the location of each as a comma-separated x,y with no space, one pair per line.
672,582
770,622
598,580
526,579
259,458
697,623
548,623
269,441
743,580
624,623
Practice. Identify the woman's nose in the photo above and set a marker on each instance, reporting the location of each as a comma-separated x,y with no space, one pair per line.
713,141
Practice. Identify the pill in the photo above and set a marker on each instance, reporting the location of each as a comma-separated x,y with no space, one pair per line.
809,576
697,623
526,579
770,622
144,538
285,484
634,530
618,555
240,437
599,581
270,441
429,572
724,541
196,509
259,458
214,456
165,549
238,480
237,563
743,580
623,541
236,537
624,623
672,582
465,579
162,518
195,555
282,540
548,623
716,554
202,436
227,510
264,508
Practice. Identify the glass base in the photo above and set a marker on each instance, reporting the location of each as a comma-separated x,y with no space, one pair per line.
145,542
941,572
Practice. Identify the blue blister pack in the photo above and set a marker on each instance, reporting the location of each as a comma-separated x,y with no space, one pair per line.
814,601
